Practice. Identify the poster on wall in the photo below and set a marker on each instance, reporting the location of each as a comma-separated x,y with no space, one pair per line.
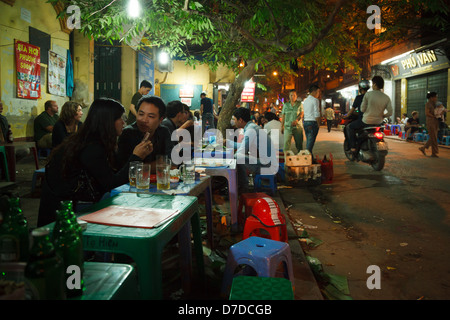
248,93
56,74
28,67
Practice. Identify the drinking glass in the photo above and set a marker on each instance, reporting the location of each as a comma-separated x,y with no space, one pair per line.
132,173
162,176
187,170
143,177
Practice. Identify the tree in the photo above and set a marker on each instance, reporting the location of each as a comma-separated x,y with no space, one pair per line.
263,33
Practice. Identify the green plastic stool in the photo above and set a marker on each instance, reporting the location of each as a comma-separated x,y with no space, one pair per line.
5,162
261,288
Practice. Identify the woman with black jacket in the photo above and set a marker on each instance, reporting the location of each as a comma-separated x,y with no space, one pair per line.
91,154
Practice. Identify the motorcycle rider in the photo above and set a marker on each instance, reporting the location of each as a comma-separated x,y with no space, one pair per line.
373,106
355,111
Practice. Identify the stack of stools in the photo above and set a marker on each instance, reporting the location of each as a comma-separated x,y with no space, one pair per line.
261,288
246,202
264,256
266,216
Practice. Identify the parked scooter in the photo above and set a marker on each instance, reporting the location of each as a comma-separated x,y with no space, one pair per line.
370,147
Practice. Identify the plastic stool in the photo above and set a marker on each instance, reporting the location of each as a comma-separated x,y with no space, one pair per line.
247,201
37,173
281,173
264,256
446,140
418,137
5,163
426,136
271,187
261,288
266,216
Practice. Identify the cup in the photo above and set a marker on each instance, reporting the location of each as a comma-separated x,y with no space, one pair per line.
162,176
174,175
188,172
143,177
132,173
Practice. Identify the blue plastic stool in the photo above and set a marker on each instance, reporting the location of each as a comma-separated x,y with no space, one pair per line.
40,173
418,137
403,135
271,187
281,173
446,140
5,162
263,255
426,136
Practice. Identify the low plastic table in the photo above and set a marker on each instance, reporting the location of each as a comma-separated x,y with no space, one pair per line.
145,245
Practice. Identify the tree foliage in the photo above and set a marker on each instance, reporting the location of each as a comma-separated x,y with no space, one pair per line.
263,33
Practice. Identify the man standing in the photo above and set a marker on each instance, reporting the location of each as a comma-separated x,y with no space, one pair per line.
43,125
311,108
150,114
250,151
144,89
207,112
432,125
292,114
373,107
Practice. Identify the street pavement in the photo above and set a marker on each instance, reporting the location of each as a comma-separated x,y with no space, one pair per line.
397,220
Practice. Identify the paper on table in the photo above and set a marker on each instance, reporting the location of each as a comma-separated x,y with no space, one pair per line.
130,216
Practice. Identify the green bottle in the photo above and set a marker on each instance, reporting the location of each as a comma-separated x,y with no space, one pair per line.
44,272
69,247
14,234
68,206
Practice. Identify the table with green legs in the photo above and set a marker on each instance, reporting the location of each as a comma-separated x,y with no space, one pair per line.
145,246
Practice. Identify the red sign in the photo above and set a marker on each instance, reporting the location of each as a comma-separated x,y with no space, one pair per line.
28,67
248,94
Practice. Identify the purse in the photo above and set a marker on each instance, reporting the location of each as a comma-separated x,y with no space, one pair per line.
85,190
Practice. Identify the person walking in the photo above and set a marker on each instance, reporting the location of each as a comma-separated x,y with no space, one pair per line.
432,125
207,112
329,114
292,115
311,108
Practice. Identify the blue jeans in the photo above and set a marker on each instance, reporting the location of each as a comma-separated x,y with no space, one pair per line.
311,131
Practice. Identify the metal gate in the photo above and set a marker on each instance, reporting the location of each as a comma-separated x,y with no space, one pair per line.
107,70
418,87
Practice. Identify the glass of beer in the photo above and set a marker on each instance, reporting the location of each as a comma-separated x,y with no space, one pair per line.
143,177
132,174
163,176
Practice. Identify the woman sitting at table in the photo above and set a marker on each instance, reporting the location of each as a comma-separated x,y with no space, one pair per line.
69,122
90,153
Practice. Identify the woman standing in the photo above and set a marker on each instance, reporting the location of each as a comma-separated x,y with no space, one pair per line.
69,122
89,153
432,125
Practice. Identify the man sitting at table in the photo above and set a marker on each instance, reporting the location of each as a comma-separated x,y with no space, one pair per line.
150,114
256,153
412,125
43,125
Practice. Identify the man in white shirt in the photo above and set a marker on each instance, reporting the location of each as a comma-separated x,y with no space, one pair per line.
311,116
256,150
373,106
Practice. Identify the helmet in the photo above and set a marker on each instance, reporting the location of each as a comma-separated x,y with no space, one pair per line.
364,84
267,211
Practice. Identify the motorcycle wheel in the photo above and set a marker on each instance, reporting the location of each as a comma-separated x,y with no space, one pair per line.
378,163
350,156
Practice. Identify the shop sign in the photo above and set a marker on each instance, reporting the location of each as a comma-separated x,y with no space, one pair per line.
248,94
28,68
418,63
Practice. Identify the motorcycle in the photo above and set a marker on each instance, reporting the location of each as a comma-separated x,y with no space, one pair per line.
370,146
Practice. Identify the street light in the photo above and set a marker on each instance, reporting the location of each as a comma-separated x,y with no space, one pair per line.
134,8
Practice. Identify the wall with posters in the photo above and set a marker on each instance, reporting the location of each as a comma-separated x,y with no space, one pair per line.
16,21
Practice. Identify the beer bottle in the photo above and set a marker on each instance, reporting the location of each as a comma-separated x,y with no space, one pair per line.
69,247
44,273
14,234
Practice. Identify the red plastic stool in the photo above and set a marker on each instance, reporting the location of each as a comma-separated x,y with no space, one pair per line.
248,200
266,216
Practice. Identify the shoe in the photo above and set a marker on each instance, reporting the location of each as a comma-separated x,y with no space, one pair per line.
434,156
423,150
